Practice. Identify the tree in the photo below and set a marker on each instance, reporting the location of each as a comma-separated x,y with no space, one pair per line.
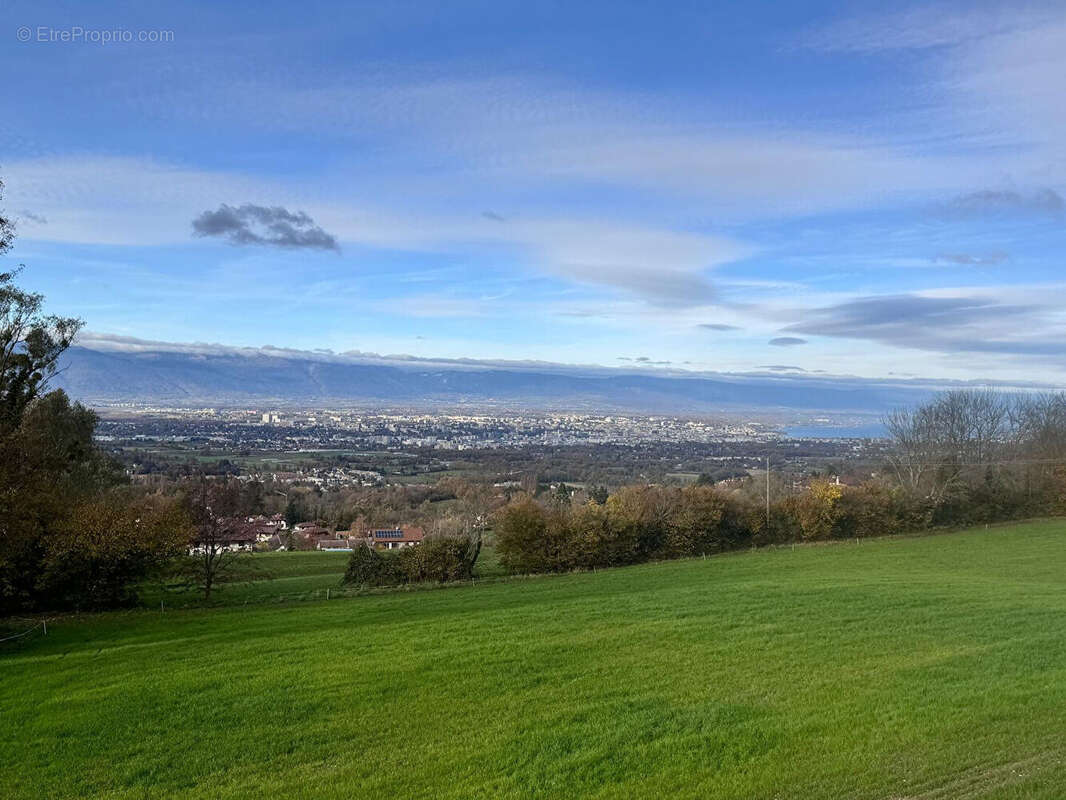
598,494
643,514
49,467
697,527
561,495
478,501
7,229
31,342
293,514
595,541
530,538
68,538
47,458
215,508
1039,422
30,346
104,546
364,566
817,510
936,443
530,483
441,559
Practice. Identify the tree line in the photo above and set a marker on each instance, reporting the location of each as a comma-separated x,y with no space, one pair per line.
966,457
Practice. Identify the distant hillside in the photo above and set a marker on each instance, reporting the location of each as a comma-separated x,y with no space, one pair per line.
221,376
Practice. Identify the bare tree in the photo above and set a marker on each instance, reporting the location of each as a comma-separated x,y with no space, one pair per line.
937,443
214,507
1039,422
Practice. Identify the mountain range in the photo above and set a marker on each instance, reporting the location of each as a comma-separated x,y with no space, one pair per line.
109,370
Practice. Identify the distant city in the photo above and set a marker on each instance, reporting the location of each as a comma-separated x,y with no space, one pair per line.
333,448
443,431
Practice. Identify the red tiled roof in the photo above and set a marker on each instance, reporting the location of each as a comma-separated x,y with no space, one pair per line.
397,534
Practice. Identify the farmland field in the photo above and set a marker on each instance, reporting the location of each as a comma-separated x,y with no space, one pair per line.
930,667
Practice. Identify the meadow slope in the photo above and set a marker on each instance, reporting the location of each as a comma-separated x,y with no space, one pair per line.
930,667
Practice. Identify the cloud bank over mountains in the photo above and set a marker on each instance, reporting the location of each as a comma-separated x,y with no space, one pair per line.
106,369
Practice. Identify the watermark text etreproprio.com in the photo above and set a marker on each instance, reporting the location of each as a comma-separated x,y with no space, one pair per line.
77,33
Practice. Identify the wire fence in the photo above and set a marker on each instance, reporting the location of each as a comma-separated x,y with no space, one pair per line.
178,603
41,625
331,593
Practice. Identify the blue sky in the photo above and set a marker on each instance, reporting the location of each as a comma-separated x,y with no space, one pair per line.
837,188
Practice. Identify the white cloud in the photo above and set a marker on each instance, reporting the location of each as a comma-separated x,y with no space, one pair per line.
922,27
137,201
518,139
991,77
120,200
1014,80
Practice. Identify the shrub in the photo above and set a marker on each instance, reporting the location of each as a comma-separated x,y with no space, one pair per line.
364,566
1052,486
641,514
439,558
817,510
698,525
597,540
867,510
530,538
102,548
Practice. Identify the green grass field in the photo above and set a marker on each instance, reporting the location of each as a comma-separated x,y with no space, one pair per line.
283,577
930,667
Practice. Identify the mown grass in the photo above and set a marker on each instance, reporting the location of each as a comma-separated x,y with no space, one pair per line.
282,577
929,667
279,577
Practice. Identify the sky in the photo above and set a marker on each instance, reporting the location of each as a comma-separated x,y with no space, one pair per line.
825,188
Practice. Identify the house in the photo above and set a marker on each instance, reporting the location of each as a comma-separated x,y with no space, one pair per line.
313,531
264,530
232,537
392,538
309,530
268,526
